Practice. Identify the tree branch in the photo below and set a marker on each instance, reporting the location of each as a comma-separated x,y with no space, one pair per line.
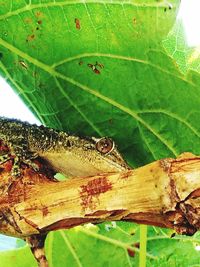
164,193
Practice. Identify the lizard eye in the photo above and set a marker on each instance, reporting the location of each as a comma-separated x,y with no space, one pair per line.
105,145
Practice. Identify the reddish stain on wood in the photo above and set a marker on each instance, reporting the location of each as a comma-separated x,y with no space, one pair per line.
92,190
165,164
78,24
45,211
126,174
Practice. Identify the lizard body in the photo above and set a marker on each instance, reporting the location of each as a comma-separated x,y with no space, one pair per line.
67,154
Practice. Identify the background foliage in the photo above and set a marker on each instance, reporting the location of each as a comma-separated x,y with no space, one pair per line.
106,68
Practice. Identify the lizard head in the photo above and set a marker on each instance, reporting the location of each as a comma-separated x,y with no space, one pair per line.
108,155
76,157
98,155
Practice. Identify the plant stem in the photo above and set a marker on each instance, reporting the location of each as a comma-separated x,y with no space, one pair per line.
143,245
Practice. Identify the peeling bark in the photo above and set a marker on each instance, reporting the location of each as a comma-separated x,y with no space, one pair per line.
164,193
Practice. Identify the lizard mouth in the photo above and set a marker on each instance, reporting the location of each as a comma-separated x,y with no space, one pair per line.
115,159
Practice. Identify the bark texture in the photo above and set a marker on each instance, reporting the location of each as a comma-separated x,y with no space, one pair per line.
164,193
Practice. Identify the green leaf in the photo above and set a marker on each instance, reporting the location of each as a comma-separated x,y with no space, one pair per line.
50,62
21,257
176,251
89,246
106,68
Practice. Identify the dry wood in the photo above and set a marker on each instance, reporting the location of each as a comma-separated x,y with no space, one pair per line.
164,193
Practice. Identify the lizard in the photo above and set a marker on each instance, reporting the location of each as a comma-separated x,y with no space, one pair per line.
73,156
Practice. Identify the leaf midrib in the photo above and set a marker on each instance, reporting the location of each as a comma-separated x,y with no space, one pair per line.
111,240
119,57
70,247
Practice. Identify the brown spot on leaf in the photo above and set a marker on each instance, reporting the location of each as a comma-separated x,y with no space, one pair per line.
30,38
28,20
131,252
78,25
90,192
99,65
39,22
90,65
38,14
80,63
23,64
95,67
134,21
97,71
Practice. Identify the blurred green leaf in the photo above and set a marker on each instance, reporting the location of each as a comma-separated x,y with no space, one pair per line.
21,257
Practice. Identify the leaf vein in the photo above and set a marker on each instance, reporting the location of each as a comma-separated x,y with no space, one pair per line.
72,2
111,241
77,108
119,57
174,116
147,144
69,245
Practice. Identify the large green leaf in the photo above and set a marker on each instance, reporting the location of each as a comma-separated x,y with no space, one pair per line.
105,68
109,245
47,52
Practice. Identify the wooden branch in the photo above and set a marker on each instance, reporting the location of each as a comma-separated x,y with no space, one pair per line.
164,193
